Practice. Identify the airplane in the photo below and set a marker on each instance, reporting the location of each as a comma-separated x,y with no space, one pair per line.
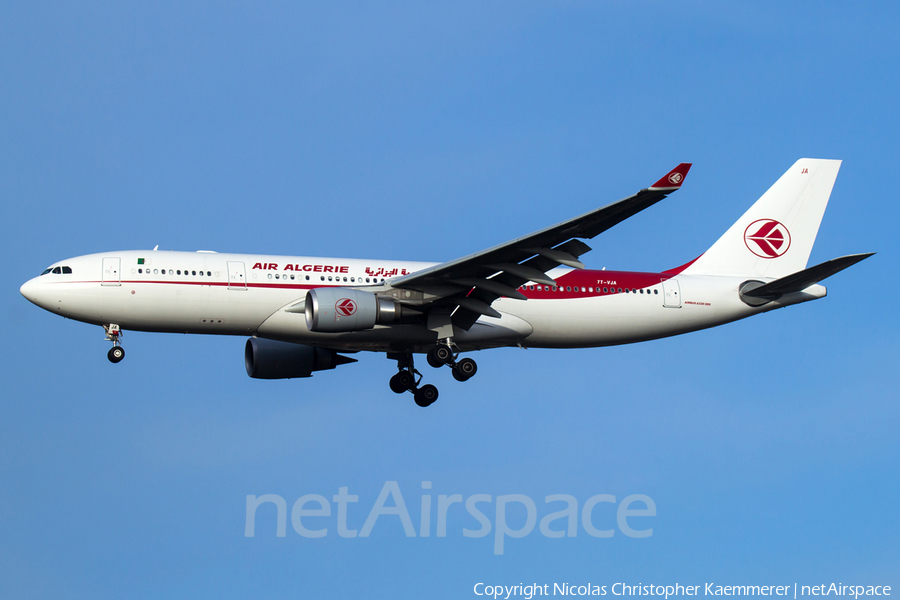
304,314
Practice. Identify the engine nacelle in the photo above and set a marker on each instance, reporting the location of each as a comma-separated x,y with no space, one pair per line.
332,310
271,359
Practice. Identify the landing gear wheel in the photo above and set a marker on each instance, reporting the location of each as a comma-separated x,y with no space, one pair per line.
402,382
439,355
426,395
396,386
115,354
464,369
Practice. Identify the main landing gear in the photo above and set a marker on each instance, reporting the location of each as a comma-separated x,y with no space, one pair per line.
445,353
406,381
114,334
408,378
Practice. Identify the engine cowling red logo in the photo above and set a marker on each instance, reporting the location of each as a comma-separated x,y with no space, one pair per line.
767,238
345,307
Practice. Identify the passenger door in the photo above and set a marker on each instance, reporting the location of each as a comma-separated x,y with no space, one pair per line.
237,276
111,271
671,293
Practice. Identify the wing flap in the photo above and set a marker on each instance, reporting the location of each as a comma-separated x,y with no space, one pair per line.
492,285
477,306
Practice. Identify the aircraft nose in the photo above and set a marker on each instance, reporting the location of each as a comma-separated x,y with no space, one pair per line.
29,289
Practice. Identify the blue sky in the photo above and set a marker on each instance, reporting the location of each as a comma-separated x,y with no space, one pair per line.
427,131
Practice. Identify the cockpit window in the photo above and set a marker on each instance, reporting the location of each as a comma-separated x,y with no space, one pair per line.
58,270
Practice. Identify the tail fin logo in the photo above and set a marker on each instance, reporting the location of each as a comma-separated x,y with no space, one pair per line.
676,178
345,307
767,238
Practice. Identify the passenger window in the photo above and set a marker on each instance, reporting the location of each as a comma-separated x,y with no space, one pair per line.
194,273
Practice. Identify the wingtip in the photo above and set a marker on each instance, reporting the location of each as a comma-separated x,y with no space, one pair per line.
673,179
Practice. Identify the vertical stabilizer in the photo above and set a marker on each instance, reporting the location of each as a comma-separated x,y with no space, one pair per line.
775,236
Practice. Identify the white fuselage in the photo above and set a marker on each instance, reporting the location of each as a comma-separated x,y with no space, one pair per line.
239,294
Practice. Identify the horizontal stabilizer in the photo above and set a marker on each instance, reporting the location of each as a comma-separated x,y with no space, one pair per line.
803,279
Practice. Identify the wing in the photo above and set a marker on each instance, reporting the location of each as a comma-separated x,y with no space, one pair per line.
467,286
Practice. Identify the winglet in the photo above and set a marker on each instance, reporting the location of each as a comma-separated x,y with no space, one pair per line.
673,179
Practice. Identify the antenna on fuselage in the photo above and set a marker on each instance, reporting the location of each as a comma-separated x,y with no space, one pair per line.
156,247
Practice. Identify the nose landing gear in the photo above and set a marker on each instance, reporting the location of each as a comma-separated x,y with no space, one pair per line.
114,334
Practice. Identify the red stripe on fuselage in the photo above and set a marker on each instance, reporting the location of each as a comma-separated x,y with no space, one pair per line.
593,283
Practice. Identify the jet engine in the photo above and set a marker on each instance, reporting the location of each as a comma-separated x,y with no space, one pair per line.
271,359
332,310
